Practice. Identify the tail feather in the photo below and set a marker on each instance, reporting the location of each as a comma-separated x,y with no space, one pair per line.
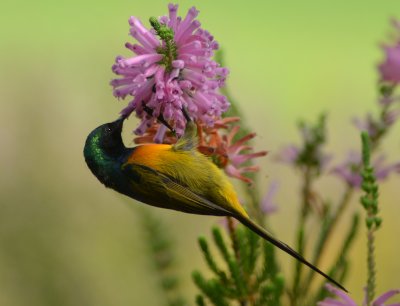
284,247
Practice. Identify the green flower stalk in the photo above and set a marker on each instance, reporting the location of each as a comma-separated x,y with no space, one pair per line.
370,202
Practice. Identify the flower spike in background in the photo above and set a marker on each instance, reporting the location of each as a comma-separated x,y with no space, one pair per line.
373,222
390,68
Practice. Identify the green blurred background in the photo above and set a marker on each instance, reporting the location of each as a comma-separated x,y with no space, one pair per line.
64,238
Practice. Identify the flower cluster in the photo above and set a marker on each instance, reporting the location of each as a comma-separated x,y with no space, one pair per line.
227,152
310,153
389,112
171,69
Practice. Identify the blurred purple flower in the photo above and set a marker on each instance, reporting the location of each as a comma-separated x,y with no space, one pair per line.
349,170
171,72
383,171
374,127
391,117
289,154
387,100
268,205
343,299
368,124
390,68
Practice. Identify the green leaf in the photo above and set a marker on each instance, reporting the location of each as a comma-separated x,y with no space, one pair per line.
230,261
211,289
200,300
210,260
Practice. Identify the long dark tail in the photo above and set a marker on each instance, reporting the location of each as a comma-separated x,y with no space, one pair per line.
283,246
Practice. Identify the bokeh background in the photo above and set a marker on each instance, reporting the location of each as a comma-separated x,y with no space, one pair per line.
64,238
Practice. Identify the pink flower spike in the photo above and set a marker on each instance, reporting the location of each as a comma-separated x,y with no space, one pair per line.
390,68
171,67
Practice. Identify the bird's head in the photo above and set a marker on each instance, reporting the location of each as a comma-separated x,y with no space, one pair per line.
107,137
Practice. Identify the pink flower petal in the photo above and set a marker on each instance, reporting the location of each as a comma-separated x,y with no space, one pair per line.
341,294
384,297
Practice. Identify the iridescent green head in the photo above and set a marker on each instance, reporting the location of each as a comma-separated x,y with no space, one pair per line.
106,137
103,149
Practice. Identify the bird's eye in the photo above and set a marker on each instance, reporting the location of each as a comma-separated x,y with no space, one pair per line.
108,129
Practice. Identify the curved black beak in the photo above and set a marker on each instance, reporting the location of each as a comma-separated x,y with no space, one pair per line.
118,124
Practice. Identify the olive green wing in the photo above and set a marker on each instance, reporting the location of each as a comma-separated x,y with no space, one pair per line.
157,189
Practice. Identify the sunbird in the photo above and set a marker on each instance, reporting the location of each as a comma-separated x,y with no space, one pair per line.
176,177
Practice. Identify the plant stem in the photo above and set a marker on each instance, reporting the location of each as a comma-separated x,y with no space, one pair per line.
306,192
235,246
232,235
370,203
319,250
371,266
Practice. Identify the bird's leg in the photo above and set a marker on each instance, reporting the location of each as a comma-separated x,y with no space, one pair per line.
188,141
186,114
191,128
